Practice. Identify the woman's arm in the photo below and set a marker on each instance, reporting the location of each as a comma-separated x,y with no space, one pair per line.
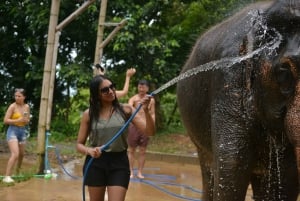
83,133
120,93
8,114
82,137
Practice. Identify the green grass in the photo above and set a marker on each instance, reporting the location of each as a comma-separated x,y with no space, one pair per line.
173,140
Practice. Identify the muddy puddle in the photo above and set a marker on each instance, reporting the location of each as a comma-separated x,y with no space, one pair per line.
164,180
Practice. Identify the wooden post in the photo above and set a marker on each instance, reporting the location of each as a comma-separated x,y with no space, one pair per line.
100,44
49,74
112,34
98,50
71,17
46,80
52,80
50,65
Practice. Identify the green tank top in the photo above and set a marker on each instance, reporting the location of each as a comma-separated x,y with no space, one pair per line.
104,130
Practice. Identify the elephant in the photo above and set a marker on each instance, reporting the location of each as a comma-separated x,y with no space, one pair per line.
244,116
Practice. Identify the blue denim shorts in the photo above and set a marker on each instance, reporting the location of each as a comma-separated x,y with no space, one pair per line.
16,132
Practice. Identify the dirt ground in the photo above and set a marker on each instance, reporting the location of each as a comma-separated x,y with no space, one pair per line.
169,177
165,181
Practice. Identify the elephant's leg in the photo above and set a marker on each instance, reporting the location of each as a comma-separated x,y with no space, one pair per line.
232,157
207,174
231,179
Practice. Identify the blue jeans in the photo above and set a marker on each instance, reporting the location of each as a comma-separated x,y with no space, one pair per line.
16,132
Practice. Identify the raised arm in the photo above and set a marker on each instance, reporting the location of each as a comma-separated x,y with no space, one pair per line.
120,93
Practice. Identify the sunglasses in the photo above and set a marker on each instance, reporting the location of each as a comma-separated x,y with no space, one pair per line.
105,90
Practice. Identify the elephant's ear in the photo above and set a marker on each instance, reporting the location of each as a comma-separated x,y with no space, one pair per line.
286,76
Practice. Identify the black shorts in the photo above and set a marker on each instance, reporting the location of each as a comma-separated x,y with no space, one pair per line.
110,169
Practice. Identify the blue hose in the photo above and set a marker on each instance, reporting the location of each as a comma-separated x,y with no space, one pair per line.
166,180
153,184
60,162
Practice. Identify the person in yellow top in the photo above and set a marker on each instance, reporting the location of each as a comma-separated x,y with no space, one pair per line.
16,117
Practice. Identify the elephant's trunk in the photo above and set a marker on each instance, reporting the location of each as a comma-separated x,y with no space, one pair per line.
297,151
292,123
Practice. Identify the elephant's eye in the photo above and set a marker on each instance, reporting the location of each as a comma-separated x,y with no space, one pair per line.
285,79
283,73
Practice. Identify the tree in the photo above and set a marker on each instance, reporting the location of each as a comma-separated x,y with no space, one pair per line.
156,40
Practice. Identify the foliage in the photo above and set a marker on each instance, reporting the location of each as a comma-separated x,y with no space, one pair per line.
170,111
156,40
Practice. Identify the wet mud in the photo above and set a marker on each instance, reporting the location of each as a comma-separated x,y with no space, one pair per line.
164,180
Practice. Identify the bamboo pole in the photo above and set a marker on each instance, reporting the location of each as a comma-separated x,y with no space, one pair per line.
98,50
52,81
113,33
71,17
46,79
51,60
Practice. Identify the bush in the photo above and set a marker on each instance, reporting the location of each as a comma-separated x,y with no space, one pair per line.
170,111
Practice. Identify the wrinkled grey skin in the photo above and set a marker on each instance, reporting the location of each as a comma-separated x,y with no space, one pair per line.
244,119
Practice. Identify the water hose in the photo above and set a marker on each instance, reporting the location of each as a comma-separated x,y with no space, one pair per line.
47,170
153,184
60,162
158,181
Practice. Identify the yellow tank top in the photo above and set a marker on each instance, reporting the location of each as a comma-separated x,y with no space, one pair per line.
17,115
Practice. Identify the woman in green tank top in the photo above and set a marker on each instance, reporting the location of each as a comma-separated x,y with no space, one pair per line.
105,116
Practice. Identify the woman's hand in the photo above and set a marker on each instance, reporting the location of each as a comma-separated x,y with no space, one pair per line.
22,119
94,152
130,72
25,118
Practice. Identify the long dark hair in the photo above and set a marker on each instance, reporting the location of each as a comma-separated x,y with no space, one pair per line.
95,101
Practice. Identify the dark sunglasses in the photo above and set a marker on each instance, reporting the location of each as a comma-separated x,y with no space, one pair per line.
105,90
